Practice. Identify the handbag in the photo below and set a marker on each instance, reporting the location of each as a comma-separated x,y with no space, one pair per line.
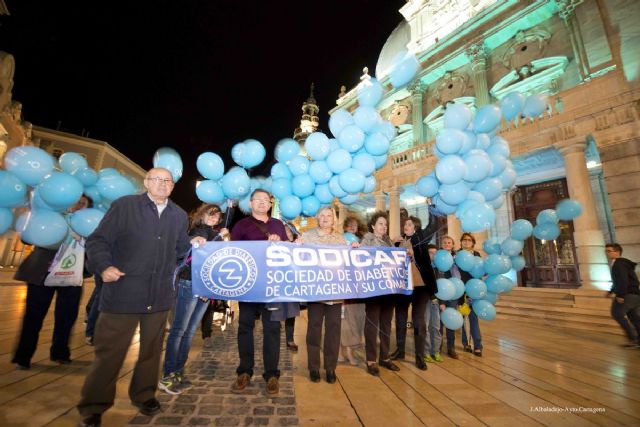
68,266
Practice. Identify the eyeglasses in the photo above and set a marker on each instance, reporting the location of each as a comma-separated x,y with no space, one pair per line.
158,180
466,240
265,201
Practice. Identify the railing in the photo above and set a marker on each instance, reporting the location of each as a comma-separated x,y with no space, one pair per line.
408,157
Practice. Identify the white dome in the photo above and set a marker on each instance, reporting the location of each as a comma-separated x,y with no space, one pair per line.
397,42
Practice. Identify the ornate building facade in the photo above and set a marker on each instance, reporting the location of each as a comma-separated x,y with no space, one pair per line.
583,55
309,121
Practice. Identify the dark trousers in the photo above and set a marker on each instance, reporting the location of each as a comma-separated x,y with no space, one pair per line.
94,309
207,322
289,326
378,315
418,300
66,312
271,340
113,336
330,314
630,308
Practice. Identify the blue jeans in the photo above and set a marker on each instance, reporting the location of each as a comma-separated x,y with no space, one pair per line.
474,327
188,313
433,340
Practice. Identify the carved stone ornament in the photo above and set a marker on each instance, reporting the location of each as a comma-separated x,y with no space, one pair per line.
523,48
400,114
452,85
7,68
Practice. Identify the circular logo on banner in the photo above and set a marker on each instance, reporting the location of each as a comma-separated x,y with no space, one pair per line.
229,272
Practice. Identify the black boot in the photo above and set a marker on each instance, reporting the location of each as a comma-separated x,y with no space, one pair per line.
397,354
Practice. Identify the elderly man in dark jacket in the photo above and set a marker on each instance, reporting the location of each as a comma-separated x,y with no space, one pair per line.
134,249
626,293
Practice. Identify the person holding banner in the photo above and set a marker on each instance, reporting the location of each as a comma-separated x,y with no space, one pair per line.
379,310
189,308
260,226
327,311
34,271
135,249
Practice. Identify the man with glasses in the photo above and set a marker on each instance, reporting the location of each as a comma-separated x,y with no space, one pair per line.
625,292
260,226
134,250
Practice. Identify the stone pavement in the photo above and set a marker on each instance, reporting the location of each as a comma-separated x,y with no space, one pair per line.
211,403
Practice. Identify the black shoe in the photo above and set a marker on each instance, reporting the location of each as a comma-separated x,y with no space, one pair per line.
389,365
314,376
477,352
331,377
150,407
94,420
372,368
292,346
21,367
468,349
397,355
420,364
61,361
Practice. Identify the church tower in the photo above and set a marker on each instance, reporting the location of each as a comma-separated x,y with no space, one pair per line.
309,122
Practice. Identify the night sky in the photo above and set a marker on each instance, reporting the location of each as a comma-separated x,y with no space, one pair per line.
193,75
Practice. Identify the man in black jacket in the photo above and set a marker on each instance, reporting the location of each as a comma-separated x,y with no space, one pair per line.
134,249
625,291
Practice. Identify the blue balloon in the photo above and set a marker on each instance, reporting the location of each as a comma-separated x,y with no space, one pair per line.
71,162
478,218
497,202
442,206
365,163
512,105
245,204
457,116
518,263
469,143
380,161
478,269
483,141
454,194
476,288
93,193
427,186
546,231
452,319
85,221
290,207
29,164
508,177
405,67
303,185
37,203
236,183
253,153
108,172
310,206
86,176
351,138
323,194
490,188
459,285
388,130
365,118
103,205
280,170
498,163
351,238
339,161
349,199
534,105
352,180
568,210
491,297
339,120
210,166
521,229
6,219
450,169
335,188
42,228
12,190
484,310
299,165
547,216
446,289
169,159
450,141
369,92
286,149
209,191
281,187
512,247
320,172
369,184
443,260
478,165
487,119
465,260
499,146
317,146
498,283
113,187
377,144
493,264
60,189
492,246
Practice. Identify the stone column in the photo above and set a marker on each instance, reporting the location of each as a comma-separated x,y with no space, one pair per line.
567,13
417,91
381,202
478,55
592,263
394,213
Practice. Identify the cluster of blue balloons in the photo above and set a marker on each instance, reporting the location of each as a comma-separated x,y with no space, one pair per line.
55,187
474,169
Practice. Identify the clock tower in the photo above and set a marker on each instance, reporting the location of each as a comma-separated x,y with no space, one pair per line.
309,121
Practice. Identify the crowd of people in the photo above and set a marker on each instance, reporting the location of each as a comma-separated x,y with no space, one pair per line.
134,253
